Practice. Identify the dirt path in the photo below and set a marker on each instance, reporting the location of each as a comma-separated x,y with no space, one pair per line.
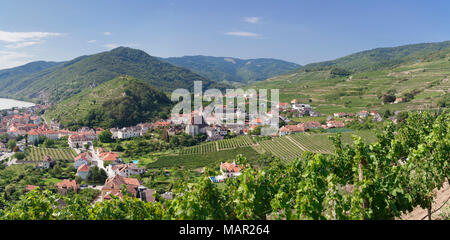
440,203
297,144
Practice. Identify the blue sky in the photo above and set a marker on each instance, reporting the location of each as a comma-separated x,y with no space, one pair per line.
297,31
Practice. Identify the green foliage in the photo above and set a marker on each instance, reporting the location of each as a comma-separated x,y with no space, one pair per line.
382,180
19,155
97,175
105,136
124,101
11,144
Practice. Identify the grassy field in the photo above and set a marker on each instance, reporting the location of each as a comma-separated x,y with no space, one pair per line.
38,154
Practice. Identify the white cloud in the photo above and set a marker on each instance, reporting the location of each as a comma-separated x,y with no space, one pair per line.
92,41
111,46
107,33
22,44
13,37
252,19
10,59
243,34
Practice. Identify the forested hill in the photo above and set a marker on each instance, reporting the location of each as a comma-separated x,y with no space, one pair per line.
380,58
8,75
72,77
123,101
234,69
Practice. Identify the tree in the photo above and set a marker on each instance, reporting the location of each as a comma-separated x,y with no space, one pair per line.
105,136
11,144
49,143
19,155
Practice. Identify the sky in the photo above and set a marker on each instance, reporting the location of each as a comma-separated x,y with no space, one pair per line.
298,31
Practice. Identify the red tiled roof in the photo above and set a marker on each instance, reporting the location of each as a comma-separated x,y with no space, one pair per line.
230,167
30,187
109,156
84,168
66,183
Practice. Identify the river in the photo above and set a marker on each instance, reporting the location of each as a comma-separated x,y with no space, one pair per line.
6,103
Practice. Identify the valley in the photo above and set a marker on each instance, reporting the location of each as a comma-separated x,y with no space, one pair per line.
103,121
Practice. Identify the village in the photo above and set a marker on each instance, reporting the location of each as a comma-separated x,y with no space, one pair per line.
28,127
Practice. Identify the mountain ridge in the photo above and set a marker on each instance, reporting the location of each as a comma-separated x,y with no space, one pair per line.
379,58
71,77
230,69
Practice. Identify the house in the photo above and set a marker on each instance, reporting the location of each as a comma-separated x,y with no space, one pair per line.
129,132
67,185
78,141
216,133
399,100
126,132
146,195
310,125
289,129
334,124
47,162
340,114
306,108
377,118
283,106
145,127
193,128
125,170
162,124
230,169
30,188
113,187
373,113
363,114
110,157
83,171
82,158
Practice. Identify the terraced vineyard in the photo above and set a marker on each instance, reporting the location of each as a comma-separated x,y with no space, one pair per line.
282,147
226,144
286,148
211,159
37,154
200,149
232,143
290,147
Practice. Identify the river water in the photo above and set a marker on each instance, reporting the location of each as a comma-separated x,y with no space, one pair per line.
6,103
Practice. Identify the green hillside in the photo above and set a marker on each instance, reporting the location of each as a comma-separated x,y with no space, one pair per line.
123,101
424,82
72,77
381,58
233,69
8,76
